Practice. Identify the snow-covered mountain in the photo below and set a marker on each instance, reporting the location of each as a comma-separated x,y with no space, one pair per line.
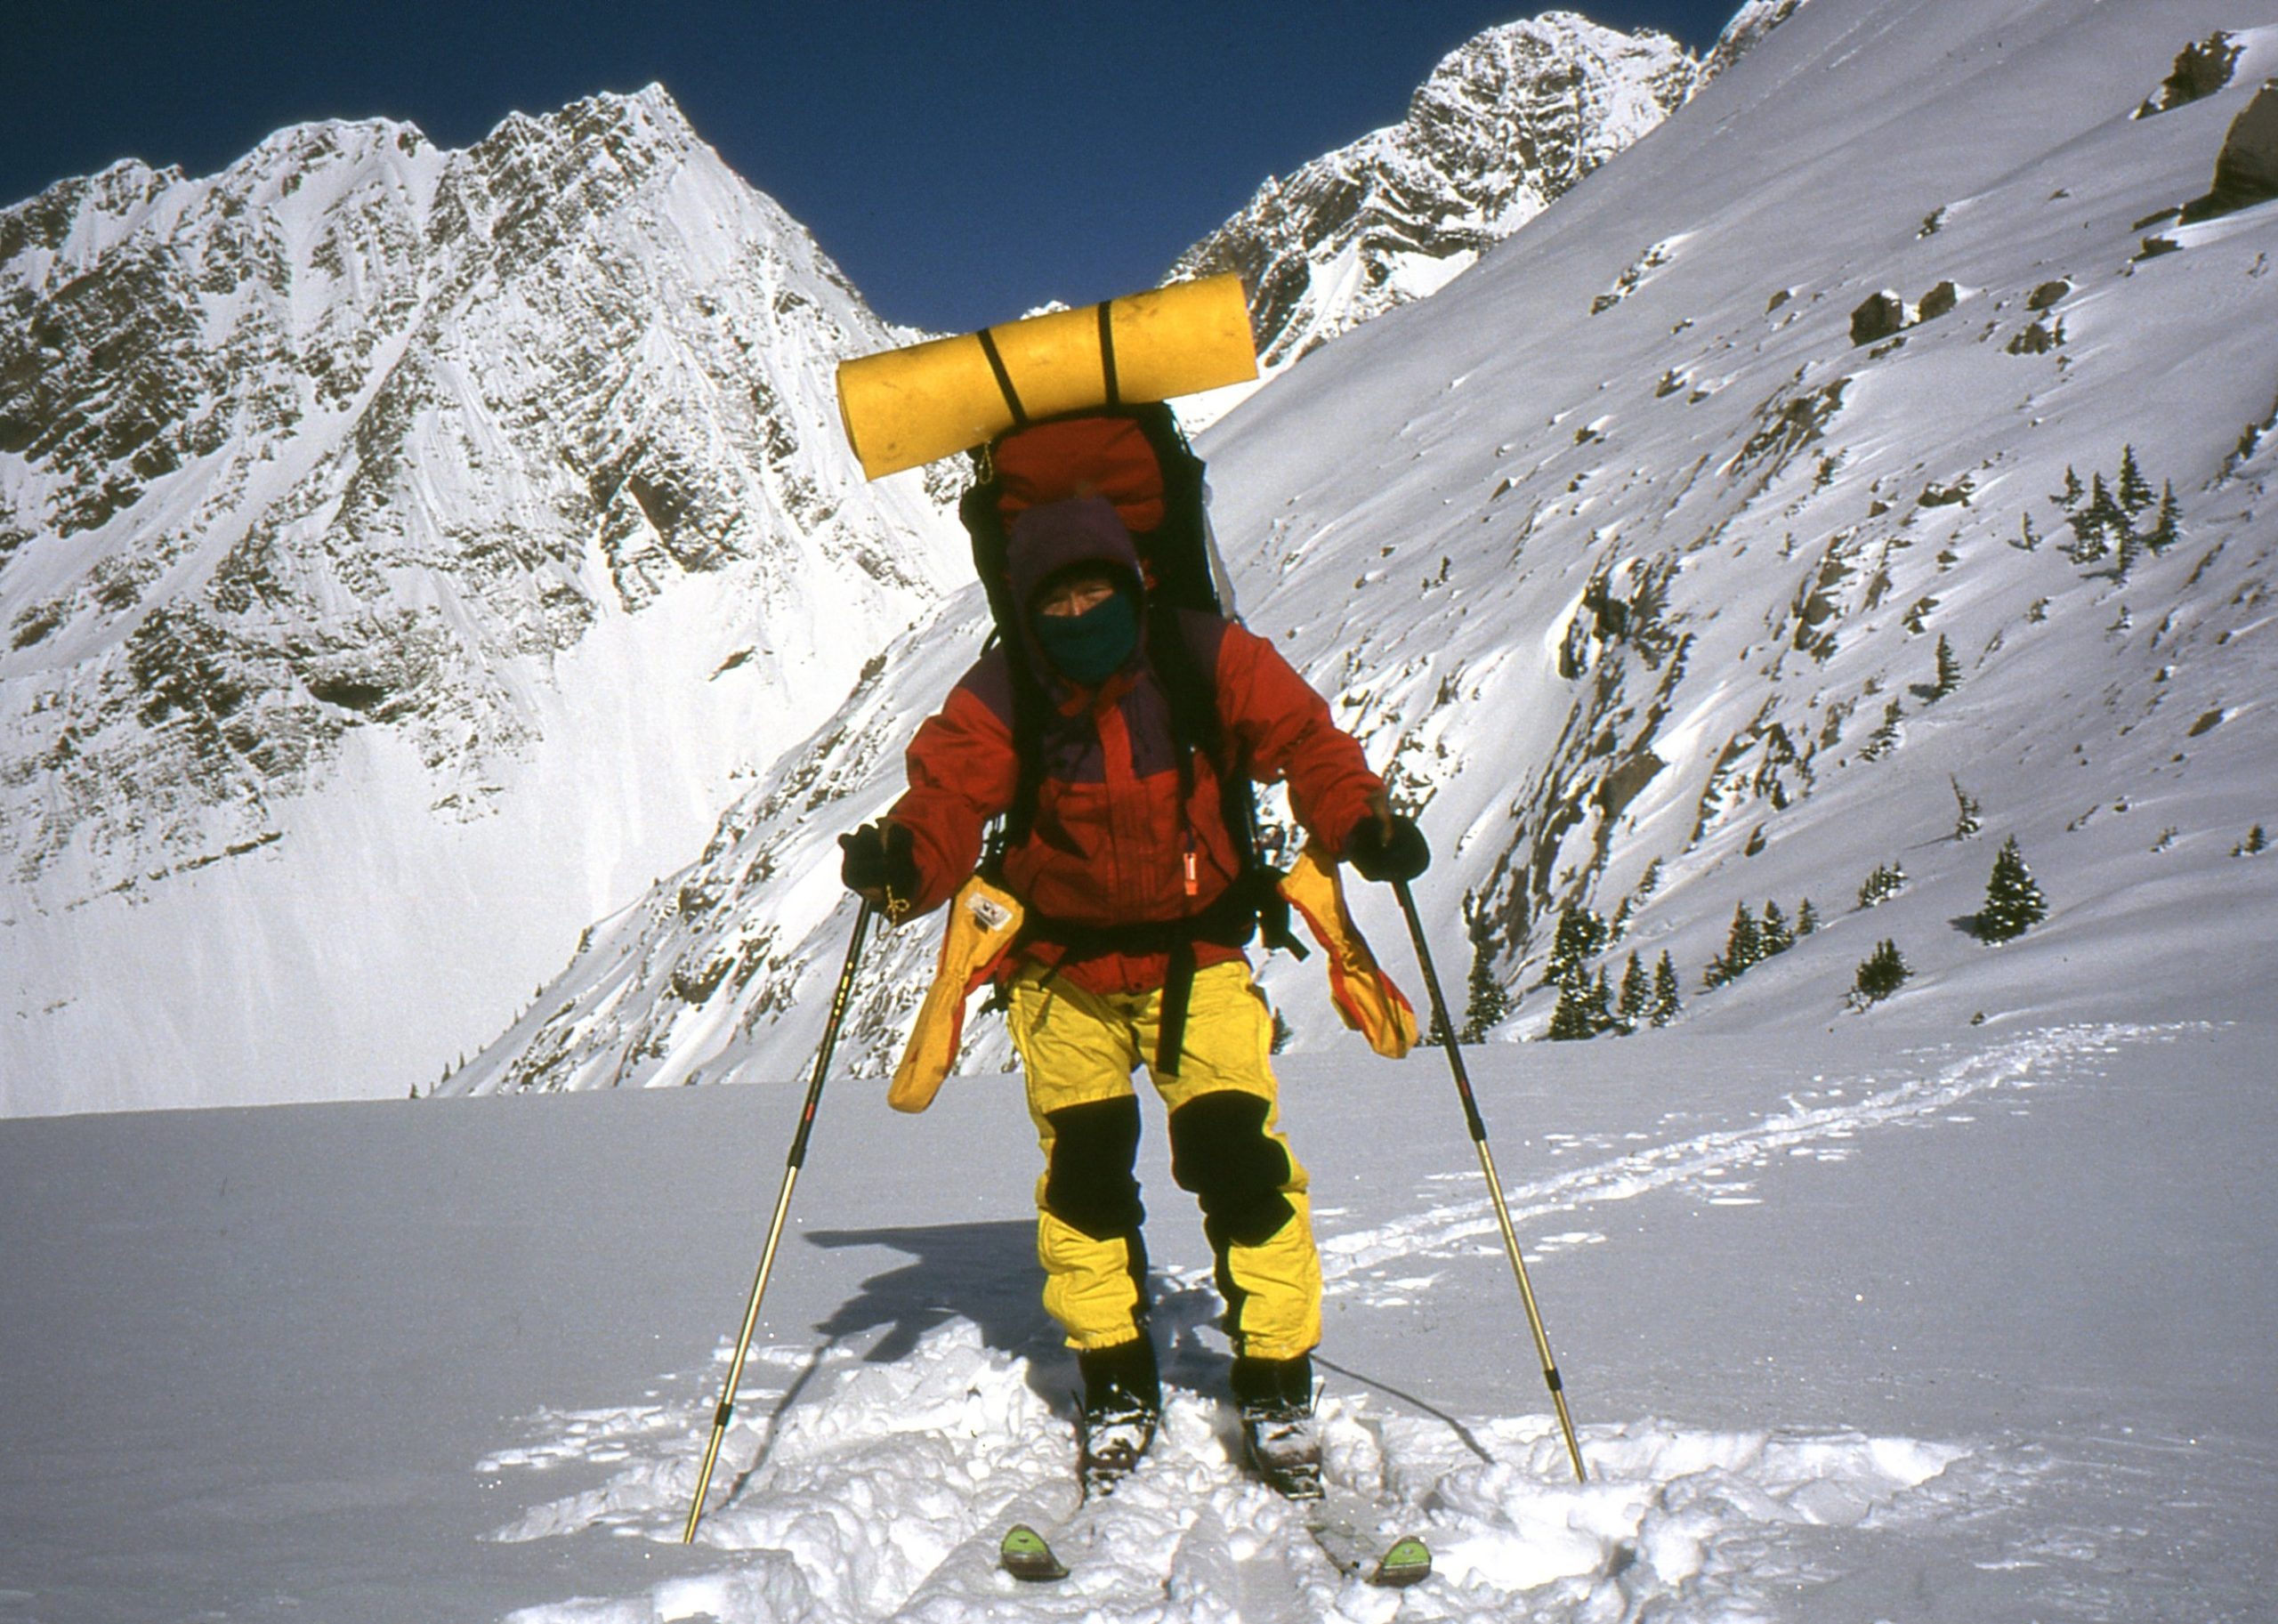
401,552
1507,124
1713,544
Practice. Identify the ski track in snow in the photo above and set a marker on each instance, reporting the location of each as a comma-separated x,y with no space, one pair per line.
1818,1124
864,1491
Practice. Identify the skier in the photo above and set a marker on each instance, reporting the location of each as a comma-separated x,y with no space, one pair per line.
1138,900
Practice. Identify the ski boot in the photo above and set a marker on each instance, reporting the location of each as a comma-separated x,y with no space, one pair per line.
1123,1405
1276,1399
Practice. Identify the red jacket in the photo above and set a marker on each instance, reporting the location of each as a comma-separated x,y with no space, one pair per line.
1111,840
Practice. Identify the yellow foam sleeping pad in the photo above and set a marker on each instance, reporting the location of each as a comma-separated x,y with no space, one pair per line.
909,406
983,919
1364,994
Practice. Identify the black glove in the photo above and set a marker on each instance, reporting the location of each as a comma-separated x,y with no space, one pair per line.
880,857
1401,855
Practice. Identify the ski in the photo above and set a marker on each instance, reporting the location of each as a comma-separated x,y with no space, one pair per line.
1027,1557
1351,1531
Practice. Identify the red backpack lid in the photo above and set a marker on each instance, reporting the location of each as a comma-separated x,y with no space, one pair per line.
1081,457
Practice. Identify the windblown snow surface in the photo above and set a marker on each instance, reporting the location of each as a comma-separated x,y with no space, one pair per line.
1906,1330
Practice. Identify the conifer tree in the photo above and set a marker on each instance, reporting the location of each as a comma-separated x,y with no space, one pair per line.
1884,737
1949,670
1636,990
1806,918
1742,948
2109,514
2094,525
1886,882
2167,530
1965,819
1602,1005
1667,1005
2072,497
1775,936
2013,901
1580,934
1485,1002
1570,1022
2135,490
1884,972
1281,1032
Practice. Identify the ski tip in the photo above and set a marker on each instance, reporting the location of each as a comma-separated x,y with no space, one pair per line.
1409,1562
1024,1555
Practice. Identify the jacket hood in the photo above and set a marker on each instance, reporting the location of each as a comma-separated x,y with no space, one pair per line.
1047,538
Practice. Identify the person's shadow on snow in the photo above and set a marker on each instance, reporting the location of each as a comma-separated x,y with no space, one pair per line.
987,1273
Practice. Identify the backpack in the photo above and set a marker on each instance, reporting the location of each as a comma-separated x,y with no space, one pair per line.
1135,456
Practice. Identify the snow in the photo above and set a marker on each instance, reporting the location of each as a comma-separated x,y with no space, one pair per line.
1961,1309
1991,1343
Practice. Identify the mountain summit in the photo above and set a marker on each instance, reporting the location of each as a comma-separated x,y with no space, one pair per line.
400,550
1508,123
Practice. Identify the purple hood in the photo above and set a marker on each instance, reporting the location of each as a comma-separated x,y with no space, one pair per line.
1048,538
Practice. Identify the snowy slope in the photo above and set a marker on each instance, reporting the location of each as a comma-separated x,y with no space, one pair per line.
401,553
1632,567
1968,1332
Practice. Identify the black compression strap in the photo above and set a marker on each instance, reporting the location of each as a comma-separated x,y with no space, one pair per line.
1107,353
1178,992
1004,378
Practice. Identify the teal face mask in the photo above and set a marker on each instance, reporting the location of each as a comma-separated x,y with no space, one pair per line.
1090,647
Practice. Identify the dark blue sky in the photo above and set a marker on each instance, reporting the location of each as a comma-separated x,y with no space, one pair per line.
962,161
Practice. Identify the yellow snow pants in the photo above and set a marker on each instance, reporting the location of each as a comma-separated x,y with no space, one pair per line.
1078,1050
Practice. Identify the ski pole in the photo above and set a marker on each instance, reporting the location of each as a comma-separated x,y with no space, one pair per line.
1487,1166
726,1411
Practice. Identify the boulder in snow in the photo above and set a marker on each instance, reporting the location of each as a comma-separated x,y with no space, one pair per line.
1882,315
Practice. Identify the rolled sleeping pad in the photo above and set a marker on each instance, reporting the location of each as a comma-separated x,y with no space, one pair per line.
909,406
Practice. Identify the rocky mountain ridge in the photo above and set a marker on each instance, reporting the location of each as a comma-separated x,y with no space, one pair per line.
338,478
1505,124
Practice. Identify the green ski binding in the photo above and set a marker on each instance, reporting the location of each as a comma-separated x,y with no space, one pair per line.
1025,1556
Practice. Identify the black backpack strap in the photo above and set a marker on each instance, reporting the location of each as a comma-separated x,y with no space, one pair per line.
1004,377
1170,1012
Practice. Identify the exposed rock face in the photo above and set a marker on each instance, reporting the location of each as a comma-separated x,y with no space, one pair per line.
1744,33
2200,69
2246,171
1507,124
1880,316
322,467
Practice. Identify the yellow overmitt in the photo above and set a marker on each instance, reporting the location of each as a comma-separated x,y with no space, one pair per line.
1364,995
983,921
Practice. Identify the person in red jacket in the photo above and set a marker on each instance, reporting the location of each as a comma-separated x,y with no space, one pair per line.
1132,951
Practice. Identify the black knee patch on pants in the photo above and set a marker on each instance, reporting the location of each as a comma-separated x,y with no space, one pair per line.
1088,1185
1220,1151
